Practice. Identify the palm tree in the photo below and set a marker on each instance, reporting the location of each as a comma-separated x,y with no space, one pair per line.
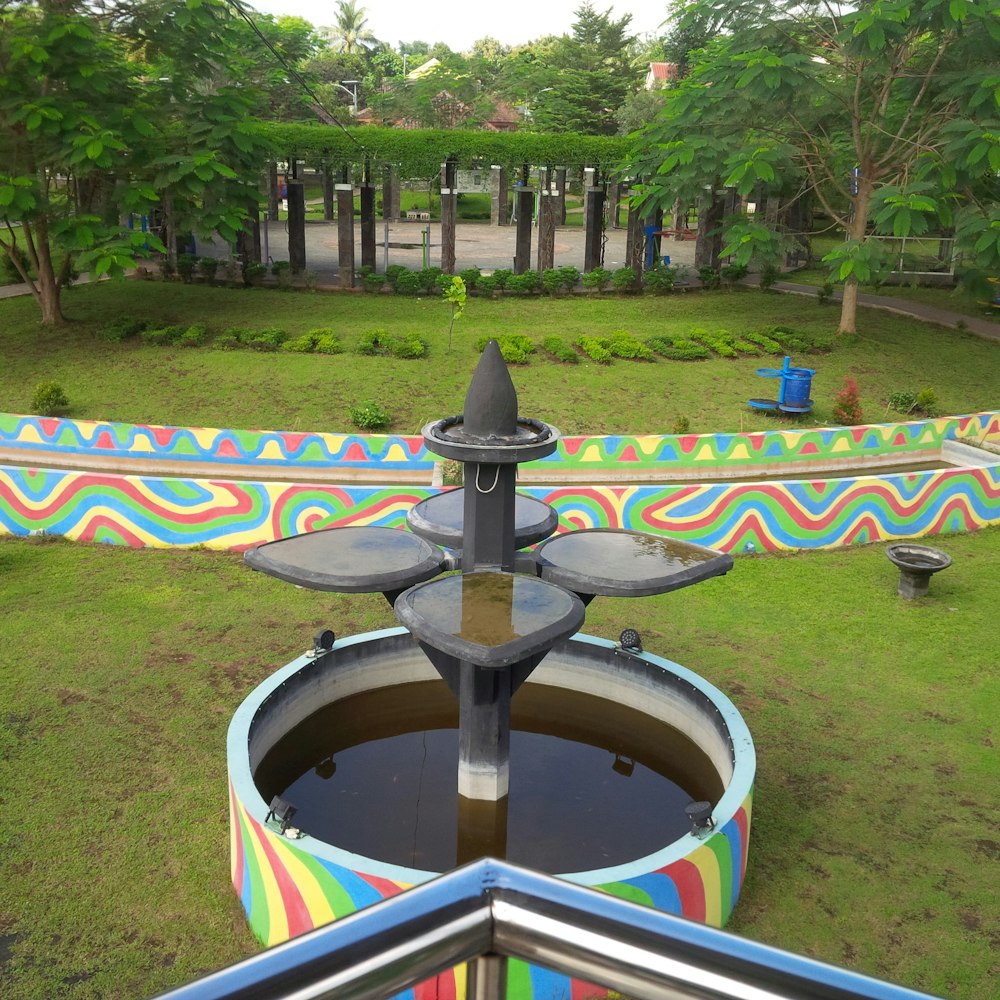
350,34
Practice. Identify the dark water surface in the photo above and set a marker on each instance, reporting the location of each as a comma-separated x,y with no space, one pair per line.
591,783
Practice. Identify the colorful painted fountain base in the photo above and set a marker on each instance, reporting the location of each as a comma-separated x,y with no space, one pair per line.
288,887
797,512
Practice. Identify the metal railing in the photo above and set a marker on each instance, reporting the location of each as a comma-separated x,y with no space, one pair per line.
489,911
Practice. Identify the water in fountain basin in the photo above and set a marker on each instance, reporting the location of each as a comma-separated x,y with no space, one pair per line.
593,783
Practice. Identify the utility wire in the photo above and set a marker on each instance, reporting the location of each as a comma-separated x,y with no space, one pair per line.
294,73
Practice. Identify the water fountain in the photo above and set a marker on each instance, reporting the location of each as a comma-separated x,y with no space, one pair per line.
630,773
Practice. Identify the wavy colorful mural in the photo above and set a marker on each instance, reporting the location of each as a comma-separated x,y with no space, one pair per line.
820,514
799,513
269,449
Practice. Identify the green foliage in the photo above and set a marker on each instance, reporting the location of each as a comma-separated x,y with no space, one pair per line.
379,341
597,279
501,276
660,279
847,404
471,277
515,347
678,348
721,341
369,416
254,272
596,348
186,265
623,345
560,350
393,273
624,280
486,284
194,336
681,425
769,276
926,402
731,274
267,340
162,336
207,266
790,340
121,329
767,344
454,294
906,402
408,283
320,341
709,277
524,284
49,399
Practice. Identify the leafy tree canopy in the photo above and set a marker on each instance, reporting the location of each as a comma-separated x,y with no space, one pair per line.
887,113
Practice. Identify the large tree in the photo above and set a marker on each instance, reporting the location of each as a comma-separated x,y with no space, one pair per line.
349,32
885,111
106,111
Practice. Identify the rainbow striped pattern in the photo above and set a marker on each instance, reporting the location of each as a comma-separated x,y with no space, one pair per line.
147,511
209,444
217,513
269,449
286,891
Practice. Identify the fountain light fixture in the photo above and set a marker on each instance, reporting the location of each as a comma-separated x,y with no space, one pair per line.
323,641
630,641
623,765
326,768
281,811
699,815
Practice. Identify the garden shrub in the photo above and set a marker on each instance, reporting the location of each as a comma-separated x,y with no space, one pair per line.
560,350
227,342
321,341
624,280
902,402
429,279
194,336
682,425
926,402
186,264
163,336
254,272
392,273
732,273
597,279
369,416
516,348
121,329
558,280
470,276
721,342
379,341
769,275
266,340
486,284
49,399
660,279
622,344
501,276
524,284
790,340
767,344
595,347
710,277
408,283
847,404
207,266
678,348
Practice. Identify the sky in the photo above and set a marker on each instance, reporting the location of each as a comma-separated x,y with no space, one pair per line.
458,25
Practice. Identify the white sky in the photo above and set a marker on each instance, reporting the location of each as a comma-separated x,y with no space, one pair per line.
460,24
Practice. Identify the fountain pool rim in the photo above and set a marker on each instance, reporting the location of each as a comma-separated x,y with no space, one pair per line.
737,789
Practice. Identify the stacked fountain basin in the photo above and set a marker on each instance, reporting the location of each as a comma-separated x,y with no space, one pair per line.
289,886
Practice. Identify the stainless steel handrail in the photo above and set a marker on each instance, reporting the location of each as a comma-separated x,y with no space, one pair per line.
488,911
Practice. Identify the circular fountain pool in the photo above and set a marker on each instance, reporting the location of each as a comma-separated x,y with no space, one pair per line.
592,718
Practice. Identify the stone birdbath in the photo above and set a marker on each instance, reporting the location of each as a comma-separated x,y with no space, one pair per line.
917,564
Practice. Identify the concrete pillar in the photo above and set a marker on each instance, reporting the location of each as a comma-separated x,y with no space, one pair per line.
634,242
345,233
560,195
484,736
368,224
499,212
390,194
327,194
593,215
614,203
525,198
449,215
296,226
272,191
547,209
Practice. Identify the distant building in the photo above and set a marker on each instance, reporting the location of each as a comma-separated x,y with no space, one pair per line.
660,74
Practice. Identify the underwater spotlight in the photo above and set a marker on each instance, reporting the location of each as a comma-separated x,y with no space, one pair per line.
699,815
323,642
623,765
281,811
630,640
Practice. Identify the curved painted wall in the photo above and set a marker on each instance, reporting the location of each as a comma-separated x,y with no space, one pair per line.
143,510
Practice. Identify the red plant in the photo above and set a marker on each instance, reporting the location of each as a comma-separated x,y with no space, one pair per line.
847,405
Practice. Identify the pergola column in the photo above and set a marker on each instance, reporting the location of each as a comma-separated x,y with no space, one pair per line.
525,198
367,222
594,223
296,226
273,201
560,196
547,209
498,196
390,194
345,231
449,214
634,242
327,193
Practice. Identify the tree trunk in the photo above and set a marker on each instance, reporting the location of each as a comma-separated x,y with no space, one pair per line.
857,231
47,288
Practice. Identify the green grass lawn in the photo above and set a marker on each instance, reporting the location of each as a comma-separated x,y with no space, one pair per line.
874,841
204,387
